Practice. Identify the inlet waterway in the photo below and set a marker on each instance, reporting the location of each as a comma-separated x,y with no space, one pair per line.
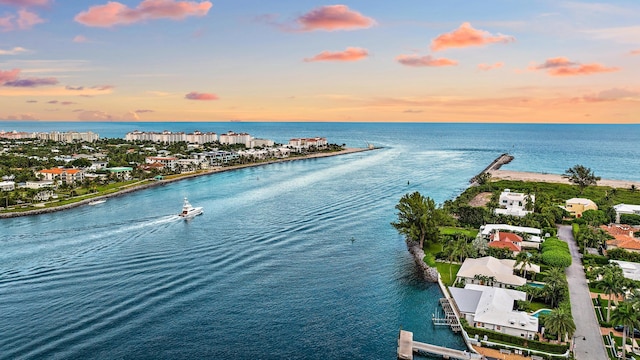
290,260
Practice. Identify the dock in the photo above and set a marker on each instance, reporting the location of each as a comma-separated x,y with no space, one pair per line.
495,165
450,319
407,346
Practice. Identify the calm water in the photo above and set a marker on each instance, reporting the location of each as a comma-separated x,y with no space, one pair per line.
292,260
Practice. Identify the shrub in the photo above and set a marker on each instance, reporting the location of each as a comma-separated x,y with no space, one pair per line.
517,340
556,258
430,260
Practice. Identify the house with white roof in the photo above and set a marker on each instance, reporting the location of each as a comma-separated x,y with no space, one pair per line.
492,272
493,309
626,209
534,234
514,204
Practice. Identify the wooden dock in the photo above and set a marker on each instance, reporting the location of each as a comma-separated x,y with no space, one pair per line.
449,319
406,348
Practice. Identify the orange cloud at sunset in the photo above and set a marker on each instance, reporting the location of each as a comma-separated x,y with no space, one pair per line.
427,60
115,13
350,54
487,67
200,96
466,36
334,17
562,66
635,52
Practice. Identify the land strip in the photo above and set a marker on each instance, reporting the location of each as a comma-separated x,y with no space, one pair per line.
145,184
554,178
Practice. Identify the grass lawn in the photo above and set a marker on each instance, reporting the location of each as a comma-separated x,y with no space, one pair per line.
471,233
433,248
443,269
537,305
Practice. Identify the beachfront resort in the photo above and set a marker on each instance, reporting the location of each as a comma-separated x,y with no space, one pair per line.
531,270
42,170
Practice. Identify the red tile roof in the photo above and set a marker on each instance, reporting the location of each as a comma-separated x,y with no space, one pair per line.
505,245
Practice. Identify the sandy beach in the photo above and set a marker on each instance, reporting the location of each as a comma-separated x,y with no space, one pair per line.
144,184
554,178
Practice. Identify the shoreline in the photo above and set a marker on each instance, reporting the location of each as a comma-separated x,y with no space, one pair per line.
148,183
554,178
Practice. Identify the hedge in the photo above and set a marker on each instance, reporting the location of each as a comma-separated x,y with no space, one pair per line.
555,252
518,341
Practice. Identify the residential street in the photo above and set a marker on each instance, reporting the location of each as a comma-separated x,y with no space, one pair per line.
581,307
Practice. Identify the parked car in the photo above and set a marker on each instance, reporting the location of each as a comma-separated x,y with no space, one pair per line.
636,332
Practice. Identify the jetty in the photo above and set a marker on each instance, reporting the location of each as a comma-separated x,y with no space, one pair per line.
407,346
495,165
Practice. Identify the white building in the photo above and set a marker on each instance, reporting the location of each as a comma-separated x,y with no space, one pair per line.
492,272
626,209
299,144
7,185
513,203
167,137
534,234
492,309
39,184
169,162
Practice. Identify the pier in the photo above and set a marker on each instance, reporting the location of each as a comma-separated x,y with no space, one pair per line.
449,319
406,348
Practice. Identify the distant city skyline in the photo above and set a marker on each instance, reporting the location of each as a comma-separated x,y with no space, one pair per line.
364,61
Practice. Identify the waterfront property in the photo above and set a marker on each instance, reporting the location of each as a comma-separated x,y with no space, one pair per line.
515,204
490,271
492,308
505,240
66,176
576,206
623,237
533,234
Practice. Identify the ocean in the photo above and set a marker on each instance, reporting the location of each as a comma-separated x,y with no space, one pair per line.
290,260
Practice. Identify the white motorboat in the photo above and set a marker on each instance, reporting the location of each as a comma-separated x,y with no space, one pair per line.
96,202
188,211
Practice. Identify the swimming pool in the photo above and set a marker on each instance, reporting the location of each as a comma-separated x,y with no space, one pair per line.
541,311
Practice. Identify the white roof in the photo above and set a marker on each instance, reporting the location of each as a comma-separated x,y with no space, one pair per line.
582,201
488,229
630,270
500,269
626,208
494,306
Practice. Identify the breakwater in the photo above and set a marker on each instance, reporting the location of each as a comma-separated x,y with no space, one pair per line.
495,165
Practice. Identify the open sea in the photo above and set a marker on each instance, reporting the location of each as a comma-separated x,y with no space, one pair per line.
293,260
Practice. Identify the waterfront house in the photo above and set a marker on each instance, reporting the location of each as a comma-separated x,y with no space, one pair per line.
515,204
623,237
169,162
66,176
506,240
533,234
576,206
122,173
626,209
40,184
493,309
492,272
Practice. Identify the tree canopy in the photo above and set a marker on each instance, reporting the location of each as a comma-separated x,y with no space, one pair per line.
418,218
581,176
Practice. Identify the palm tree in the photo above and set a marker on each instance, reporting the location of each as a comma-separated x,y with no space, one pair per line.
634,299
555,285
581,176
611,283
523,261
417,217
625,315
449,248
559,321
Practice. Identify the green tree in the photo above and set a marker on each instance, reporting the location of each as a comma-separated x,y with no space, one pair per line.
625,315
417,219
559,321
581,176
523,261
611,282
555,285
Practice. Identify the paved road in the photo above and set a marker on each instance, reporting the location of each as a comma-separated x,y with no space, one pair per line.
581,306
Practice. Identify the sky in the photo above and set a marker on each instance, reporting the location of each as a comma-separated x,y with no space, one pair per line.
495,61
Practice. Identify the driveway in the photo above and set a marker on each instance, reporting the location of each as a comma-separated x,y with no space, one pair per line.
584,316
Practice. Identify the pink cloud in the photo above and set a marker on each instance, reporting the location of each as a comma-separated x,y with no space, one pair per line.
32,82
613,94
334,17
562,66
24,21
487,67
635,52
80,39
114,13
9,75
200,96
94,115
350,54
428,60
23,3
102,87
465,36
